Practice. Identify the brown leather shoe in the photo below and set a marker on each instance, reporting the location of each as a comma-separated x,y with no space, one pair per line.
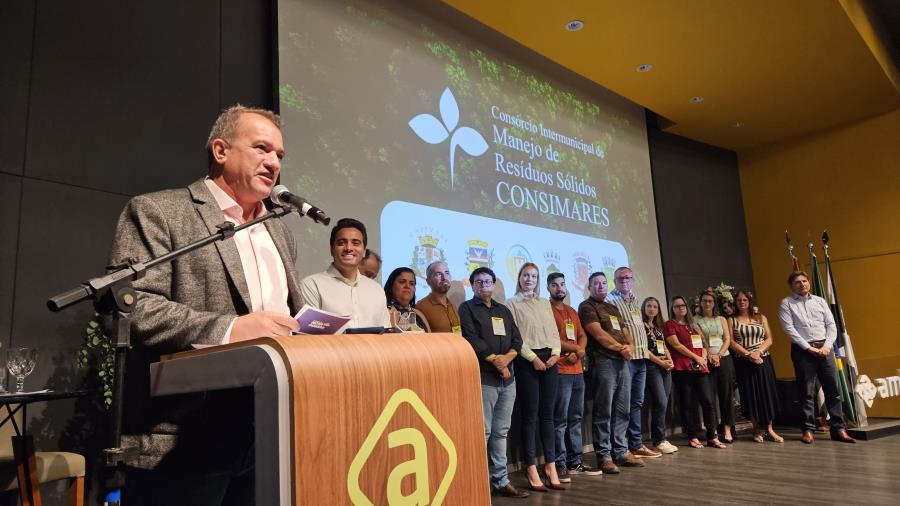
510,491
630,460
646,453
609,467
807,437
842,436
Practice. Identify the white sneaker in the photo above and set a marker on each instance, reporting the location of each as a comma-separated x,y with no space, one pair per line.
666,447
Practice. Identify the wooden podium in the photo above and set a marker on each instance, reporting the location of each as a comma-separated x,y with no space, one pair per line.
352,419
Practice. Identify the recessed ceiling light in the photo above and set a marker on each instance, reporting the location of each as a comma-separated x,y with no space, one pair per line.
645,68
574,25
737,124
696,100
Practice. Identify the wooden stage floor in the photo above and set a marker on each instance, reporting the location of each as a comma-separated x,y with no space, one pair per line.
792,473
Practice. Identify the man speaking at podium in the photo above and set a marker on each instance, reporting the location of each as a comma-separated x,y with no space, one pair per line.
198,448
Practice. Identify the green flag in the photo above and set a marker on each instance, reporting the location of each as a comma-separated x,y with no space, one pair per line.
843,349
818,288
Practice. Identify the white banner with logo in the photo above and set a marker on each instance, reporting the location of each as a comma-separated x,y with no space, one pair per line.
414,235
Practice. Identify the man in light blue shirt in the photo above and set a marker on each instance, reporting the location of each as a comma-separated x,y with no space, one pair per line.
807,319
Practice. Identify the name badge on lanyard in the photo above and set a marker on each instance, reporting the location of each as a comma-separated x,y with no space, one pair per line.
660,347
456,329
615,323
499,327
696,341
570,331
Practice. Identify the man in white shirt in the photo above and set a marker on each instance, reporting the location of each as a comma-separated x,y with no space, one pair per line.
807,320
341,288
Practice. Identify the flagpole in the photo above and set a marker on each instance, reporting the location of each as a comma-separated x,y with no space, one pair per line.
795,264
818,288
844,345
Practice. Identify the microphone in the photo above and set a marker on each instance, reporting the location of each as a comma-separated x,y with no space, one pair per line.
283,197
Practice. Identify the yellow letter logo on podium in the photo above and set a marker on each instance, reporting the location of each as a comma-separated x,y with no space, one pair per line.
418,466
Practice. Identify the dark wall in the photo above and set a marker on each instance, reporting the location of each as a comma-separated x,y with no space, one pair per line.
100,101
702,232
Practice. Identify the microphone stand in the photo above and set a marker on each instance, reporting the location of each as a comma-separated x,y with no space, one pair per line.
114,296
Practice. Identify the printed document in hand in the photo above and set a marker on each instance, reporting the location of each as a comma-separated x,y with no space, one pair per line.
316,321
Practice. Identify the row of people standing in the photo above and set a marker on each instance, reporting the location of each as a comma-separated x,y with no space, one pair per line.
736,347
710,352
706,355
531,349
631,351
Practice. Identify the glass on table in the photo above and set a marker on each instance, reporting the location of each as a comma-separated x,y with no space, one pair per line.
406,320
21,362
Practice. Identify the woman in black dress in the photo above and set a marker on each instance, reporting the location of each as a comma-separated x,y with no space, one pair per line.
752,339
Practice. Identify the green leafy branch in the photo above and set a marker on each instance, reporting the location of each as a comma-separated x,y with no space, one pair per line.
97,350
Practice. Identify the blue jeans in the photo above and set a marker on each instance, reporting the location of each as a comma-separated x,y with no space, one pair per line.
612,391
638,369
497,406
567,415
659,384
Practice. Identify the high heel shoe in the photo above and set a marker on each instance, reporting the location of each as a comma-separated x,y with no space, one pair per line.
538,488
550,484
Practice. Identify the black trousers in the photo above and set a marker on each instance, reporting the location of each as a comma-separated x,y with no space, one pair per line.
722,381
692,388
807,369
536,397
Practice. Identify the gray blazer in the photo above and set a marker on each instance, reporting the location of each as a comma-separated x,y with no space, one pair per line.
191,300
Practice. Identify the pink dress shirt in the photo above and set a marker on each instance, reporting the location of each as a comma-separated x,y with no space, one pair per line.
263,268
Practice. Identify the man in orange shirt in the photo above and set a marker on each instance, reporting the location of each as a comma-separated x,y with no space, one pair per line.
569,407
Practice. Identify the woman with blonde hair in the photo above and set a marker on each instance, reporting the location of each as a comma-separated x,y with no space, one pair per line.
755,375
537,376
